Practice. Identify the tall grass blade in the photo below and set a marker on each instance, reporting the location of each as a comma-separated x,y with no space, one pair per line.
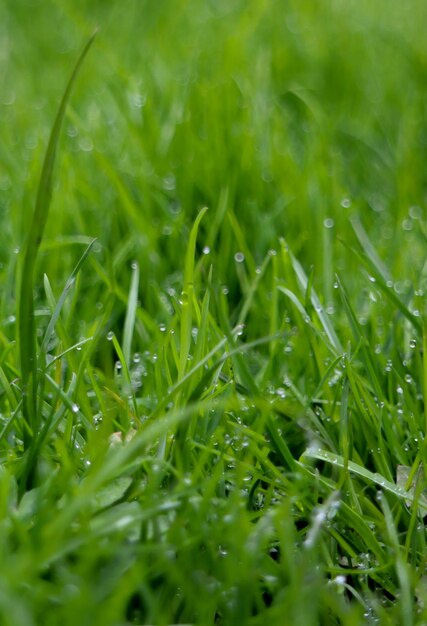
187,295
129,324
369,249
26,330
386,286
323,318
58,308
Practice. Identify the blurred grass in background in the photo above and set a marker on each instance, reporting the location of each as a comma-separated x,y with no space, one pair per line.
288,113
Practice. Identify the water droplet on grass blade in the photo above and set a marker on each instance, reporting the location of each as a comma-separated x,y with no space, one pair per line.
183,299
138,100
169,182
86,144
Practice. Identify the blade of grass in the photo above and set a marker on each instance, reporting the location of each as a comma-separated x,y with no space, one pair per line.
386,287
126,376
26,330
373,477
323,318
187,295
369,249
401,566
70,281
359,336
131,314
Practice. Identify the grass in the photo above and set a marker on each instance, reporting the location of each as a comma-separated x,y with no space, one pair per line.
213,350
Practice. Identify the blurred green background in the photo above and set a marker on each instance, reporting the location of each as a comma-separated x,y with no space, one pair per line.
291,113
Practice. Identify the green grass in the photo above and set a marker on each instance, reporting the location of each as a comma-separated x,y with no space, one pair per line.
213,340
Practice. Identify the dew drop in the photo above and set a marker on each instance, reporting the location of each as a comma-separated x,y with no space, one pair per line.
169,182
86,144
137,100
415,212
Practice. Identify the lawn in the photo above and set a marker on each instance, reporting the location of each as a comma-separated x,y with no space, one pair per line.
213,319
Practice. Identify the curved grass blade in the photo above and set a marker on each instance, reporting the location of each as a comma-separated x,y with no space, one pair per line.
55,315
26,330
131,314
368,260
323,318
369,249
372,477
187,295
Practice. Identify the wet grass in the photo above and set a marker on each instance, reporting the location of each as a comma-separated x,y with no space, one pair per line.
213,350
